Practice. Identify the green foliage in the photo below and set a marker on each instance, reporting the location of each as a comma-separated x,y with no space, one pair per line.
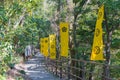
76,1
23,22
22,72
2,77
11,65
18,29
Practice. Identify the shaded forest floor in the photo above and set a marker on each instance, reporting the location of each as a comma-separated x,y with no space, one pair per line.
33,69
18,73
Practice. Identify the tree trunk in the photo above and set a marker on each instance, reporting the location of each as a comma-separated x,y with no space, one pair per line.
106,73
1,3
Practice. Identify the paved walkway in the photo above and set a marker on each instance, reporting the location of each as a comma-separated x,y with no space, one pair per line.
35,69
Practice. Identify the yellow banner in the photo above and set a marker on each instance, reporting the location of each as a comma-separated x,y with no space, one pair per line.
97,49
52,39
42,45
46,47
64,38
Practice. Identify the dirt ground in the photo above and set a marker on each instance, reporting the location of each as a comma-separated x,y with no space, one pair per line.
13,74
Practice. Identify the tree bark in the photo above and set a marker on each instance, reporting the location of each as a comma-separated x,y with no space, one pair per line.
106,72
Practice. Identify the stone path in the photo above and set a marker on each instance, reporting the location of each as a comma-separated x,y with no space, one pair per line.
35,69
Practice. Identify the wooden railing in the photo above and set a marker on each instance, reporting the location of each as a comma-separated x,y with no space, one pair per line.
77,69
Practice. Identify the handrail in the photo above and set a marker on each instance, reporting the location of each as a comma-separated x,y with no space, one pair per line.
62,68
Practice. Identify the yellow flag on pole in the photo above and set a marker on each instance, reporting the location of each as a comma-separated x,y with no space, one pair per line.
64,38
46,47
52,43
97,49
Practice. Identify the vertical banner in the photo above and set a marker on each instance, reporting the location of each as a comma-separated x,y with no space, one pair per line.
42,45
97,49
46,47
64,38
52,43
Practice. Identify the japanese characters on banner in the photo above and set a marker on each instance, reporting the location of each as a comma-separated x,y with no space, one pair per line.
64,38
97,49
52,45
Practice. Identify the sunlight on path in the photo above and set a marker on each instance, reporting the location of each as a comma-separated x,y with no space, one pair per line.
35,69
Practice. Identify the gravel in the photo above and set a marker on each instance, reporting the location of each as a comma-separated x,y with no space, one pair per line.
35,69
